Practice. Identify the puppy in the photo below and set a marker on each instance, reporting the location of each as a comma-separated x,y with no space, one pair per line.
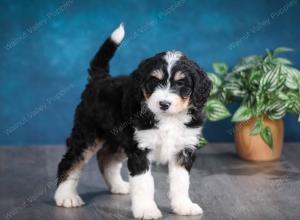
152,115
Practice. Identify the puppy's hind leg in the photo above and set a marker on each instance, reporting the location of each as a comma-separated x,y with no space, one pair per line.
110,164
69,171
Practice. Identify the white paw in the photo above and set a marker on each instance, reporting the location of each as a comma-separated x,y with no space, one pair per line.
120,188
186,208
149,211
67,199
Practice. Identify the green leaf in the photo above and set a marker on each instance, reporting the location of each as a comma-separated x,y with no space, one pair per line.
281,83
234,87
251,59
220,68
202,142
296,107
216,110
293,96
257,127
243,67
216,82
281,60
282,96
278,110
243,113
293,77
281,50
276,115
255,77
215,79
266,67
269,81
268,58
266,135
258,105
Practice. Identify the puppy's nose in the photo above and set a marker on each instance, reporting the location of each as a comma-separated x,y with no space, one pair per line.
164,105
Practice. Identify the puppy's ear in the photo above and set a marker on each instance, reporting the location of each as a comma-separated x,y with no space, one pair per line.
133,96
202,87
137,86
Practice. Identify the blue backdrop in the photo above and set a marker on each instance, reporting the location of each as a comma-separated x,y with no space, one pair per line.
46,47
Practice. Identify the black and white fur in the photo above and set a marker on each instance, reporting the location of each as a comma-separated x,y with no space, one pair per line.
152,115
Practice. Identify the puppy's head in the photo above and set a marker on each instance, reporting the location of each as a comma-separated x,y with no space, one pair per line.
170,83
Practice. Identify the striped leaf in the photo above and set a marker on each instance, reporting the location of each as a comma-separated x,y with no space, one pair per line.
216,110
202,142
266,135
257,127
292,77
281,50
281,83
267,67
270,80
242,67
259,107
296,107
216,82
255,77
268,57
281,60
282,96
293,96
274,105
234,88
251,59
277,110
243,113
220,68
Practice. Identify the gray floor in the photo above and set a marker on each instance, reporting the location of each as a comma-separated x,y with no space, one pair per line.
224,186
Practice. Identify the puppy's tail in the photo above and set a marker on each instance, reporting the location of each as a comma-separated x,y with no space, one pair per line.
99,66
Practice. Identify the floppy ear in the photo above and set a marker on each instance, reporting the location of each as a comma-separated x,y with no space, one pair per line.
137,110
133,97
202,87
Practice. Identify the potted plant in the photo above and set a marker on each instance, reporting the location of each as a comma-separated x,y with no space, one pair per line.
267,87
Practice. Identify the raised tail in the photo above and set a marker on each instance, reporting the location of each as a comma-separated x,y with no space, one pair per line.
99,66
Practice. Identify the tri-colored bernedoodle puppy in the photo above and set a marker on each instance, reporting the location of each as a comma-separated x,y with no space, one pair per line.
152,115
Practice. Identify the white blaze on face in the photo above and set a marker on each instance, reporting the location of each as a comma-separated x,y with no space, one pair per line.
164,93
171,58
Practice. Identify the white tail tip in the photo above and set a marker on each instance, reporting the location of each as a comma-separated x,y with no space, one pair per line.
118,34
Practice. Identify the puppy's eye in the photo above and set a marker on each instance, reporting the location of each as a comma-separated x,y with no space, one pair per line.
153,78
151,83
179,83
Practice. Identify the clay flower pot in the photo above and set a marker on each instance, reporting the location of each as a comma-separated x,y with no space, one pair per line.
253,148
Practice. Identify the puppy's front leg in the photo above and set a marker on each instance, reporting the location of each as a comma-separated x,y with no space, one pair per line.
142,187
179,179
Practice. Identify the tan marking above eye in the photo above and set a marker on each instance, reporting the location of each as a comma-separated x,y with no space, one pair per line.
145,94
158,74
179,76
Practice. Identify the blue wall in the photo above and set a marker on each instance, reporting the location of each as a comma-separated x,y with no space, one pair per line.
46,47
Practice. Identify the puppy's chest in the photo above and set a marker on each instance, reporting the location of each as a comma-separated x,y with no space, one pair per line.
168,138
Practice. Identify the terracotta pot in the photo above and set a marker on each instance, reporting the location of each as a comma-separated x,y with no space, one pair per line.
253,148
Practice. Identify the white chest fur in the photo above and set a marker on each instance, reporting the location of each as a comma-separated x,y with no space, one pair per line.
170,137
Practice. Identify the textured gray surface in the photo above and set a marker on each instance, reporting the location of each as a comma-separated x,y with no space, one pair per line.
224,186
